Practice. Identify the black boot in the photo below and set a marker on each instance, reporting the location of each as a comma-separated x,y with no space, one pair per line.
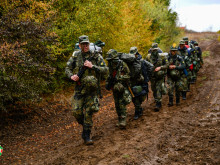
170,104
87,139
136,114
184,95
177,100
158,107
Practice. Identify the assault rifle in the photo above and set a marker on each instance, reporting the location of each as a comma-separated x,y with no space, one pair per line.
83,69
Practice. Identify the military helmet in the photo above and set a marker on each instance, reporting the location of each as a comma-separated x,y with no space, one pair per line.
112,55
196,43
185,38
83,39
182,42
154,46
173,47
133,50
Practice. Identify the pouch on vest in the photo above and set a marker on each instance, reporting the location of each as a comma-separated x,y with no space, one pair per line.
159,74
174,74
90,84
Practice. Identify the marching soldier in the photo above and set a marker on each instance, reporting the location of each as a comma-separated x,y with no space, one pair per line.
118,81
84,68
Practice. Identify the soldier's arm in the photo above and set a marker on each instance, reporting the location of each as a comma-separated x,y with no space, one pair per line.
165,64
71,64
182,64
101,66
125,73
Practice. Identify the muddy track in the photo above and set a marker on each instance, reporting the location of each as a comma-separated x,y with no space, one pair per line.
185,134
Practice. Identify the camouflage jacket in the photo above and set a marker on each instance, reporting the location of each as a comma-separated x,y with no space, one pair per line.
76,62
184,54
158,61
178,61
119,72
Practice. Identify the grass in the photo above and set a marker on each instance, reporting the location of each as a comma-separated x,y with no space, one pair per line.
205,54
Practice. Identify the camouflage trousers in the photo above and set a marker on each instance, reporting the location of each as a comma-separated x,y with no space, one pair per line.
137,101
83,107
157,88
121,100
184,82
176,85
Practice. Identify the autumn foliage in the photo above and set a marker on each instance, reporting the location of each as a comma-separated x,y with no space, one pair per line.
37,38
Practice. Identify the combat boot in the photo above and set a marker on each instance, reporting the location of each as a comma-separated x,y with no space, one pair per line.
122,124
87,139
158,107
177,100
136,114
184,95
170,104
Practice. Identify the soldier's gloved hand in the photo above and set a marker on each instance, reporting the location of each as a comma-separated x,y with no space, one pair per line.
88,64
75,77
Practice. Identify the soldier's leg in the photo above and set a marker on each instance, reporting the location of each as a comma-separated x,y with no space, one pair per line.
77,107
153,87
91,106
178,91
117,107
170,91
158,95
185,86
138,109
189,79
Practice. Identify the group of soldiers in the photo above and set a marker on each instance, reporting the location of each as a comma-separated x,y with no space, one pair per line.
128,78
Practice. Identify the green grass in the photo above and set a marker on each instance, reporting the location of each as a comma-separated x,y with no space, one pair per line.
205,54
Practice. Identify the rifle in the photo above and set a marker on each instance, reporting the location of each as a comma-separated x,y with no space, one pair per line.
83,69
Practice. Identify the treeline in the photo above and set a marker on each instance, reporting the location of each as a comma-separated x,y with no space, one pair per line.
37,38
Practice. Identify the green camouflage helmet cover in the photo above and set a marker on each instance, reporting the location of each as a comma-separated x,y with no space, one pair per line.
185,38
196,43
154,46
182,42
133,50
83,39
112,55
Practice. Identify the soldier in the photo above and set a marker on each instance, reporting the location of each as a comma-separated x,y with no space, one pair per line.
83,68
139,81
155,44
199,54
174,72
186,72
118,81
158,74
186,39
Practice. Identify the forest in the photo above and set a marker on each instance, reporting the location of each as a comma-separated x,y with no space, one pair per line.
38,37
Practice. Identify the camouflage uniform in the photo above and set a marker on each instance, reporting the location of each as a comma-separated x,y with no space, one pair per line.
118,80
157,79
194,59
139,82
85,100
199,54
184,54
174,79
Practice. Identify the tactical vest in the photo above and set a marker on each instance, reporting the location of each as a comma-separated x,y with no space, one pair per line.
157,62
174,73
89,80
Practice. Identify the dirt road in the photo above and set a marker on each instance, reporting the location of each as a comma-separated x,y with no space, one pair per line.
185,134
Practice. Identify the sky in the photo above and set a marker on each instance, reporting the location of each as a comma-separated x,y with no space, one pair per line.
198,15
